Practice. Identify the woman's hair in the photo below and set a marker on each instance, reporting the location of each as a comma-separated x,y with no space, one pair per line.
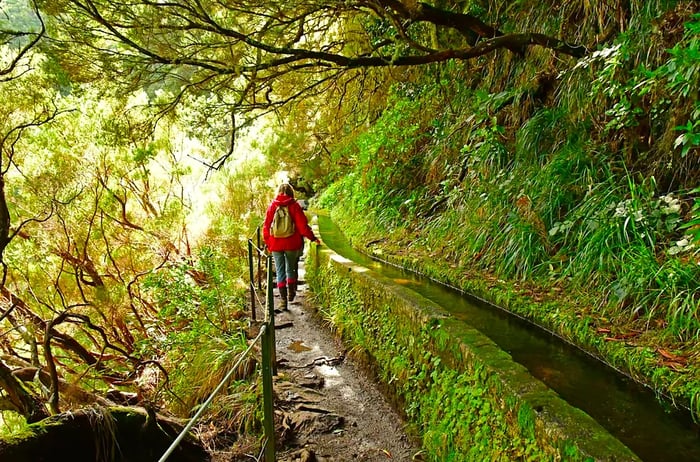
286,189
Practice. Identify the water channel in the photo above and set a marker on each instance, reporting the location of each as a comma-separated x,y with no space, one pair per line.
655,431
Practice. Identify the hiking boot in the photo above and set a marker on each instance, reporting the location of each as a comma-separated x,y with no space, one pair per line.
283,296
292,291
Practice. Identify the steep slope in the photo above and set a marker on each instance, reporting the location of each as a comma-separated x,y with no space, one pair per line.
565,190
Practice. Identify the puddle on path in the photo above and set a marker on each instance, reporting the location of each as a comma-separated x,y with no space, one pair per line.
298,346
328,371
333,379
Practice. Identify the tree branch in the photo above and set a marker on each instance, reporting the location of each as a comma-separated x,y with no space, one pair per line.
19,399
10,68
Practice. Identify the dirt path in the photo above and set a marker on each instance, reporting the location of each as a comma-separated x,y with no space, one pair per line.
332,410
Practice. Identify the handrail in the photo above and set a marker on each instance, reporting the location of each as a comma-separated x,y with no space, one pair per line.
206,404
260,253
269,359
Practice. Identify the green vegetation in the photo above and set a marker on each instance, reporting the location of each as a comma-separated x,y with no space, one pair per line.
466,399
543,155
564,190
111,262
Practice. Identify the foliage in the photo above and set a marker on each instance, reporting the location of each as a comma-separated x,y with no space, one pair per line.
574,178
681,75
11,425
693,228
106,222
505,160
226,66
650,99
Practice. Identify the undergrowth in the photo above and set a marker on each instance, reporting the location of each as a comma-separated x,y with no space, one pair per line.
573,182
207,306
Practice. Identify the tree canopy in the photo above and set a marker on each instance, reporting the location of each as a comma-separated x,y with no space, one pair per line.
255,57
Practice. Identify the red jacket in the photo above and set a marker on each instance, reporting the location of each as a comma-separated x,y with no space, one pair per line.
301,226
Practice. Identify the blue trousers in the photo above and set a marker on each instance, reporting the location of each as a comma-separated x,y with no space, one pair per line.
287,266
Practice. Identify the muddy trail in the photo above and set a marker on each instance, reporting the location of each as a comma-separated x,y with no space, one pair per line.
330,408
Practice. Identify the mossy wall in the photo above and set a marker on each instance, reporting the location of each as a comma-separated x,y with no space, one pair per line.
468,400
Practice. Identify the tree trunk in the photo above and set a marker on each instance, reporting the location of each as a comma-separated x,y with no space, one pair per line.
19,398
117,434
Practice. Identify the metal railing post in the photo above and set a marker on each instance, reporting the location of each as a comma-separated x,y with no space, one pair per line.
268,404
259,259
252,280
271,314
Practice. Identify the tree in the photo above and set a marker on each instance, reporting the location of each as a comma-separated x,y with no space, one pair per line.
255,57
94,198
84,223
19,37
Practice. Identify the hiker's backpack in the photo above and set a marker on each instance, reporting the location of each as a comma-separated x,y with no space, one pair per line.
282,223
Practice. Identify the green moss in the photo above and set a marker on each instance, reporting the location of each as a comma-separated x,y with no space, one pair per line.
466,398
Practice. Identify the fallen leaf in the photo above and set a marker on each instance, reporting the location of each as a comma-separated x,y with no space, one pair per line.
672,357
678,367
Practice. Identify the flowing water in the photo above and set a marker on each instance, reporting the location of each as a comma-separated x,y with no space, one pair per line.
654,431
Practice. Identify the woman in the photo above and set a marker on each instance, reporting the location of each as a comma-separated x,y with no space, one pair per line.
287,250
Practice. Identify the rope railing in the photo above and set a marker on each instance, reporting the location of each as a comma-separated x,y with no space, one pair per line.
267,338
269,302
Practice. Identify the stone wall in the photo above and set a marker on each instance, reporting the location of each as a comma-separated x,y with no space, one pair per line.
466,399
